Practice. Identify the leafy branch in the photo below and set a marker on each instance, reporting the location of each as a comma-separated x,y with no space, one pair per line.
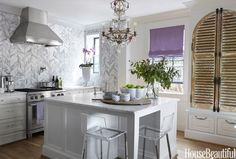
154,72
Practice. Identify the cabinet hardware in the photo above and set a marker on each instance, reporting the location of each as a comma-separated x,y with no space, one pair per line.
229,122
200,118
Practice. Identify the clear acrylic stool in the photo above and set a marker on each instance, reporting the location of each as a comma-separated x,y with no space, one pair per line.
102,133
153,134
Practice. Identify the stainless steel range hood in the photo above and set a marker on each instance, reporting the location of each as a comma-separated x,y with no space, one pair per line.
33,28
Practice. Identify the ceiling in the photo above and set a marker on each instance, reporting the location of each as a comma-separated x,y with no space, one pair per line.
94,11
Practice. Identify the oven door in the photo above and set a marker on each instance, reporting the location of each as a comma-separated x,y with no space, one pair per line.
35,115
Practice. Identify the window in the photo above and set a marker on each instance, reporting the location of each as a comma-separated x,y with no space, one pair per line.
168,43
177,63
93,41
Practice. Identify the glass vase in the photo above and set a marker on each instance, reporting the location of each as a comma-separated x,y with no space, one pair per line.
152,90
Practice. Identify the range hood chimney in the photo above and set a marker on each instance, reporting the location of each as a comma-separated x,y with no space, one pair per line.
33,28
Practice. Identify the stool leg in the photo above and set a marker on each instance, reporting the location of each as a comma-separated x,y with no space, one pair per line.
84,147
126,156
108,150
101,149
144,142
168,144
156,148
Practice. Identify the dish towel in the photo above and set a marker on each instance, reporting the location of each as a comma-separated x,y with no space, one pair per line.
40,111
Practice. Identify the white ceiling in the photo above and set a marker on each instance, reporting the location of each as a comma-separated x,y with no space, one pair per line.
94,11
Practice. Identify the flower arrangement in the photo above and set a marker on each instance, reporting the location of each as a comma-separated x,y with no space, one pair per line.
87,57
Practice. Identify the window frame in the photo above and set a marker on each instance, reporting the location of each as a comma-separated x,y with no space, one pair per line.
94,45
172,65
93,38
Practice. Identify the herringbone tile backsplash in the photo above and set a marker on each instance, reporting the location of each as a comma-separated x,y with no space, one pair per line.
23,61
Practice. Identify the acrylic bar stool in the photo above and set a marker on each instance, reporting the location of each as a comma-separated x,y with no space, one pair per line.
102,133
153,134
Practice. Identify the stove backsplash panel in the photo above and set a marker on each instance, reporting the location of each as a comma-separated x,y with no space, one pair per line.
23,61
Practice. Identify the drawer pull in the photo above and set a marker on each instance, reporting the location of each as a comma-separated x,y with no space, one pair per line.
200,118
229,122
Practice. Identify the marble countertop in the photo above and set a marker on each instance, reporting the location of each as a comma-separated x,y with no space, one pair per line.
12,93
70,88
85,100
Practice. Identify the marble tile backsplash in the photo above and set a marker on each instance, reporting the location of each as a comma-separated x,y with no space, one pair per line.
23,61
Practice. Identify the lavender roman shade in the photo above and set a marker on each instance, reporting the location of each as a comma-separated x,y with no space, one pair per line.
166,41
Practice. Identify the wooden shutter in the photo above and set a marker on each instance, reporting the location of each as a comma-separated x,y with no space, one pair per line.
203,63
227,89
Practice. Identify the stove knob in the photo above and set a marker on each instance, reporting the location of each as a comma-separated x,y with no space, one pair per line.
32,98
36,97
58,95
62,94
42,96
53,95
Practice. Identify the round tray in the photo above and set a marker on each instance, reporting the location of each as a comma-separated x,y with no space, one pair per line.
132,102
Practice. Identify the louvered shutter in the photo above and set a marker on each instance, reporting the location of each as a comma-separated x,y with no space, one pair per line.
227,91
203,66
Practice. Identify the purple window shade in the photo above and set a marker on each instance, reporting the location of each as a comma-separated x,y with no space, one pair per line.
167,41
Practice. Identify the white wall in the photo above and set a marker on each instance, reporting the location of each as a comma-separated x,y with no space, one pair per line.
138,49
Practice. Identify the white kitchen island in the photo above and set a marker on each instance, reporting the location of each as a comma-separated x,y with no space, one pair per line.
64,137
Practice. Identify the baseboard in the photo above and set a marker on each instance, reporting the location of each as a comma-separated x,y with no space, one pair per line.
56,154
211,138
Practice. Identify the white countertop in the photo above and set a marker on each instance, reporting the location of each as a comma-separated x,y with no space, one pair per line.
85,100
69,88
13,93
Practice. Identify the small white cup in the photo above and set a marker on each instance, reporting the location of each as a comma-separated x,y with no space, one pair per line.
116,98
132,92
125,97
140,93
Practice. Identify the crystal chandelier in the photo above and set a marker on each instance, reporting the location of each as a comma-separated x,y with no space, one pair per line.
119,32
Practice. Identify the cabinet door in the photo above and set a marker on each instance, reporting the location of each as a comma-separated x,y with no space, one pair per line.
12,110
227,89
203,64
12,125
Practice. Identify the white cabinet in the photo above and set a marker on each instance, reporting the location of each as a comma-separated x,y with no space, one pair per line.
201,122
213,127
226,127
12,117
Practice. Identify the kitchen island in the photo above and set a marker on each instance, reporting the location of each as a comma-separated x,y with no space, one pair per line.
64,134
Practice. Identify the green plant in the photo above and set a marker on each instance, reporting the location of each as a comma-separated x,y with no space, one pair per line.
154,72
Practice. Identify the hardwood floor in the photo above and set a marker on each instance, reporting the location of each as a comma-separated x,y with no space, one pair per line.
194,145
25,149
32,148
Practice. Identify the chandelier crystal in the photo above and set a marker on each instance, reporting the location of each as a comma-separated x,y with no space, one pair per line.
119,32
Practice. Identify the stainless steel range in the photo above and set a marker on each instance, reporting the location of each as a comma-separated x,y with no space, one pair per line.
35,107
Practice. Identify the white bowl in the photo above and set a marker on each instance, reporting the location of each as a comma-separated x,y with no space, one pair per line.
140,93
116,98
125,97
132,92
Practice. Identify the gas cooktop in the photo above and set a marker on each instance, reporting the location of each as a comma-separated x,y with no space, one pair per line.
38,89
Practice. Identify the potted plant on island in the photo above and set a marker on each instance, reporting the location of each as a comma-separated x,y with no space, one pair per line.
86,67
154,72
